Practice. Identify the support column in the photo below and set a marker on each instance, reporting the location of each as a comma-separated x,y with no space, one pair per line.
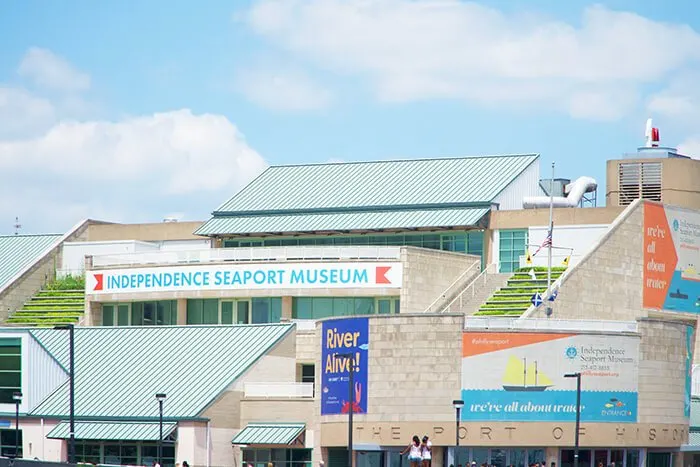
286,308
181,311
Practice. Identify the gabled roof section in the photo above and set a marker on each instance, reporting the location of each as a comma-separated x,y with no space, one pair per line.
381,195
113,431
119,370
269,433
19,251
476,180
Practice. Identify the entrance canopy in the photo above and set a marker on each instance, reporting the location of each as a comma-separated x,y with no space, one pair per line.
113,431
281,434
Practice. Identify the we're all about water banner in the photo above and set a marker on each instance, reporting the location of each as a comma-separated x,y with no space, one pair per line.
520,376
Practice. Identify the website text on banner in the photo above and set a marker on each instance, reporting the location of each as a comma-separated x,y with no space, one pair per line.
342,338
520,377
245,276
671,258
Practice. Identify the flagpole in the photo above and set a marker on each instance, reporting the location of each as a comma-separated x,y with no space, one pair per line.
551,233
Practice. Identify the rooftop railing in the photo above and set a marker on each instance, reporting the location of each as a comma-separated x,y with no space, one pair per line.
550,324
243,255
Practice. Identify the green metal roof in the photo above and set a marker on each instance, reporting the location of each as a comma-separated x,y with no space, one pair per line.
118,371
113,431
380,183
269,433
19,251
343,221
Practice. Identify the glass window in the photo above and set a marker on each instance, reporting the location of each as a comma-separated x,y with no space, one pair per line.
124,453
480,455
227,312
364,306
167,312
516,457
107,315
8,443
242,312
266,310
10,369
384,306
632,458
279,457
512,245
149,313
302,308
137,314
123,315
536,455
498,457
617,457
203,311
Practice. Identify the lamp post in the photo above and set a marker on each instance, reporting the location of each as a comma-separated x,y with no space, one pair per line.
17,397
71,358
458,404
578,412
351,383
160,397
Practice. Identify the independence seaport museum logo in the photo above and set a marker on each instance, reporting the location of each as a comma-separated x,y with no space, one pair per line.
247,276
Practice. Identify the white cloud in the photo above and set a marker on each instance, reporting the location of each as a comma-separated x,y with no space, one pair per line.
690,147
282,90
135,169
48,70
426,49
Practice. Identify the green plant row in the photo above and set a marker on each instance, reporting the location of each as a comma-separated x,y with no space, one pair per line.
48,314
537,276
497,313
528,284
53,295
52,308
68,282
71,301
541,269
47,322
518,290
506,298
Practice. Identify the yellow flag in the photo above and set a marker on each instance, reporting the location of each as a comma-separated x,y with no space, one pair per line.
565,263
528,258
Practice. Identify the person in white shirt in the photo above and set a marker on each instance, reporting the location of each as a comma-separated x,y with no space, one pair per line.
415,456
426,448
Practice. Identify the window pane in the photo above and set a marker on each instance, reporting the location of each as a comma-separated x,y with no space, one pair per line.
137,314
322,307
10,362
632,458
302,308
275,310
107,315
194,311
242,312
343,306
364,306
149,313
210,313
261,310
226,312
517,457
384,306
123,315
308,373
536,455
163,307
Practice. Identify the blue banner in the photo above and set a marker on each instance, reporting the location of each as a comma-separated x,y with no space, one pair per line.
345,341
548,406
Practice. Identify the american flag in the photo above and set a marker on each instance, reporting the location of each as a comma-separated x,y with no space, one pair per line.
547,241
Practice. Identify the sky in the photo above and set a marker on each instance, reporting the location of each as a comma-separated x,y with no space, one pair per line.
131,111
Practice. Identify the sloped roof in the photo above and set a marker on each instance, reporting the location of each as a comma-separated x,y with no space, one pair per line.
19,251
269,433
118,371
380,187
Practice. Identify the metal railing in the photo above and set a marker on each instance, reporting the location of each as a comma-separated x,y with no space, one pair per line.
257,254
281,390
459,282
480,279
548,324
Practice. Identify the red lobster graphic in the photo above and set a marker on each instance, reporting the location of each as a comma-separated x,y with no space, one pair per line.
345,408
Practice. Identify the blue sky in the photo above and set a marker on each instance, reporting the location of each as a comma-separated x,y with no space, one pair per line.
133,111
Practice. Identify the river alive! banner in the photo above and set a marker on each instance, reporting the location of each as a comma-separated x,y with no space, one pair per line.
671,259
344,339
519,376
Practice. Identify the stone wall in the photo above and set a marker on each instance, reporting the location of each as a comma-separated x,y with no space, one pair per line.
428,273
607,283
662,372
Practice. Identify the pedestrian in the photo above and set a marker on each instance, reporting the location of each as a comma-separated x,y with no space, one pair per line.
426,451
413,450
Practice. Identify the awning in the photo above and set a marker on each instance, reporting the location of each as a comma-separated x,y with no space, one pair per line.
113,431
269,433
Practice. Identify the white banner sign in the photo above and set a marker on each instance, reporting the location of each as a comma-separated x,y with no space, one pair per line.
245,276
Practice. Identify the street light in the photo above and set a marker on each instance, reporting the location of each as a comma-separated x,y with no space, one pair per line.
458,405
17,397
160,397
351,397
71,357
578,412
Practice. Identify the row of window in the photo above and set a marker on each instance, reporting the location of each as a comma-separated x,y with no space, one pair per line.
512,244
257,310
124,453
278,457
471,242
10,369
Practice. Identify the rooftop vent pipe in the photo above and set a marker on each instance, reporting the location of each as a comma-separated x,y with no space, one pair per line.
574,190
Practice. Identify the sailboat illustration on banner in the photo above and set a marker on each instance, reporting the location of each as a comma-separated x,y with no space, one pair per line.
519,376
